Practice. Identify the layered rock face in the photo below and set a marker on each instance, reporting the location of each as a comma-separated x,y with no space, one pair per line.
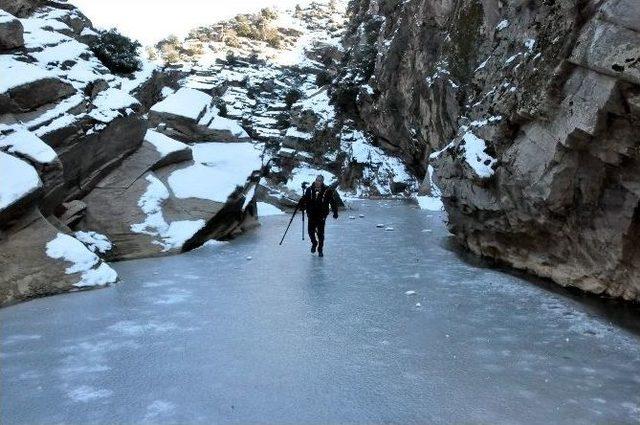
524,113
89,166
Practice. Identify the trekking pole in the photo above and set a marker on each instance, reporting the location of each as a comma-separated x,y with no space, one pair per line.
290,221
304,188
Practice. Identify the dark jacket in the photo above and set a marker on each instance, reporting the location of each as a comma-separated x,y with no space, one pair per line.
318,202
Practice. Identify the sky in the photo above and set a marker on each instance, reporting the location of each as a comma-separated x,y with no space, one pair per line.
151,20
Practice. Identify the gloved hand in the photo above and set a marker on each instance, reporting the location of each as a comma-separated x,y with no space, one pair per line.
335,215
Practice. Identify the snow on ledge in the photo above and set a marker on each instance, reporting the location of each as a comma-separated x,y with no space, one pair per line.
17,179
186,102
219,168
474,155
164,145
95,241
172,235
109,102
25,143
68,248
16,73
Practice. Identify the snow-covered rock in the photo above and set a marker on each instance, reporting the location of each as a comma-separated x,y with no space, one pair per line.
19,180
191,115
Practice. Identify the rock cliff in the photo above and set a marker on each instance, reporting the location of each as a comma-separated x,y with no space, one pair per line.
90,165
525,115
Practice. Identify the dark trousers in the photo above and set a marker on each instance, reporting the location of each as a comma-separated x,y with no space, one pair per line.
316,228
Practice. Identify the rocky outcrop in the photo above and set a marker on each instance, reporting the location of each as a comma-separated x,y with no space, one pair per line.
190,115
83,179
11,32
527,112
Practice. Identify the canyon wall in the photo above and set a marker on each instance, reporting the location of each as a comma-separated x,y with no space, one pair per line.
526,116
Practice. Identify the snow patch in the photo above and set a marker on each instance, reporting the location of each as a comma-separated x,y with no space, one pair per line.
474,155
23,142
17,179
96,242
68,248
219,168
186,102
172,235
164,145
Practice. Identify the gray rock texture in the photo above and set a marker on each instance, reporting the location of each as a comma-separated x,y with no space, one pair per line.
528,113
11,32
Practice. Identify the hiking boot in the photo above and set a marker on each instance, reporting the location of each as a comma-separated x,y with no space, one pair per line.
320,254
313,248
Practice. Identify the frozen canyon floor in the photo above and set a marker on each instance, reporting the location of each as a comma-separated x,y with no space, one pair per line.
390,326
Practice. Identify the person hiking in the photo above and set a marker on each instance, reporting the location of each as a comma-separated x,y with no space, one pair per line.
317,200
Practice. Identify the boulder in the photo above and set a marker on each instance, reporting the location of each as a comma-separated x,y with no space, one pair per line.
158,201
11,32
37,260
190,115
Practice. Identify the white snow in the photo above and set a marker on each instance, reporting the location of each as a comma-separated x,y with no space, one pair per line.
172,235
248,197
166,91
69,50
163,144
6,17
433,202
502,25
17,179
265,209
186,102
297,134
475,156
109,102
219,168
483,64
96,242
305,173
319,104
25,143
214,121
16,73
529,44
430,203
512,58
139,77
67,248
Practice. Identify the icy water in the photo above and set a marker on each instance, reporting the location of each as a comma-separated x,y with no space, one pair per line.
286,337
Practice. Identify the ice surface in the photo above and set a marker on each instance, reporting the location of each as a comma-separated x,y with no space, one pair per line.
185,102
68,248
291,338
25,143
17,179
219,168
163,144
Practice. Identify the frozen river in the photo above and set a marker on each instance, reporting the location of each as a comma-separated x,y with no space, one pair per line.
285,337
